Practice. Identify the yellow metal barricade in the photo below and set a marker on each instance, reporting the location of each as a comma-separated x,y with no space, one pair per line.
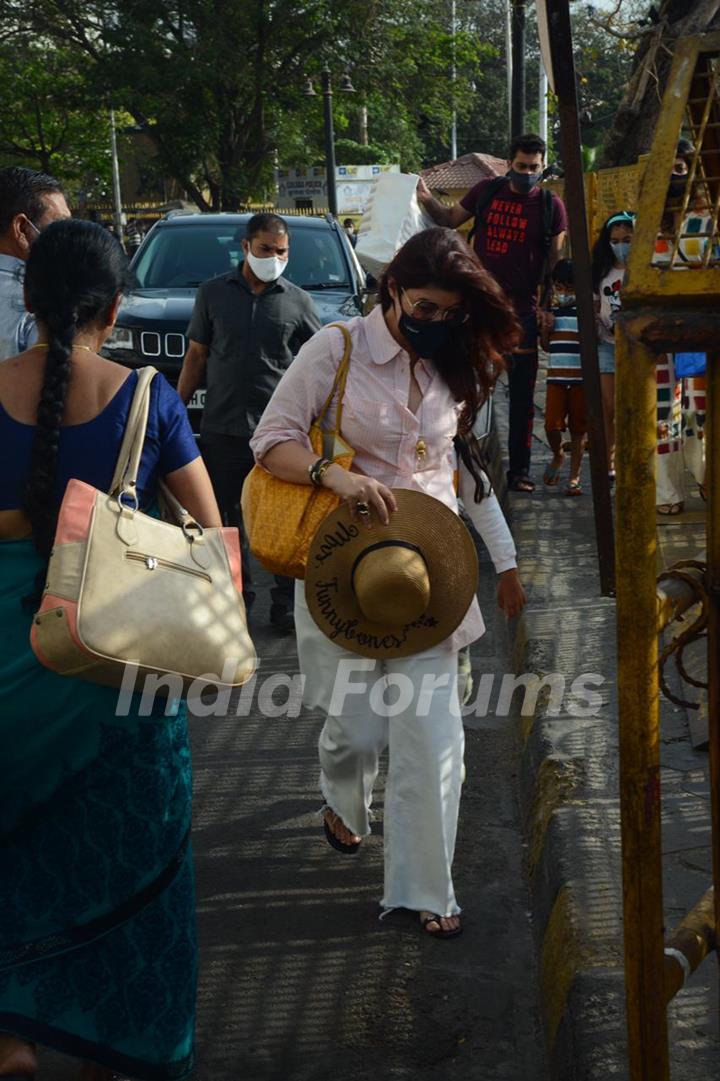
670,304
607,191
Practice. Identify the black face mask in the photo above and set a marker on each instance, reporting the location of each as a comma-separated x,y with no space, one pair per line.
425,338
678,183
524,182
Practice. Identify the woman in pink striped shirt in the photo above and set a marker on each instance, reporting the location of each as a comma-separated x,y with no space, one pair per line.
422,363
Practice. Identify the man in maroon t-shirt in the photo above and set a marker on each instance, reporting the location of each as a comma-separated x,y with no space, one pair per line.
515,243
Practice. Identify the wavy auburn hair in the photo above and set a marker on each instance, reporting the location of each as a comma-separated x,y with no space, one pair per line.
471,361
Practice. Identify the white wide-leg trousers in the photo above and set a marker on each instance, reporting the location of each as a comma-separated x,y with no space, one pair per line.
409,705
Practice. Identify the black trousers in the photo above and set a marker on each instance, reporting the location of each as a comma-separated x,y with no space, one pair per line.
229,460
522,372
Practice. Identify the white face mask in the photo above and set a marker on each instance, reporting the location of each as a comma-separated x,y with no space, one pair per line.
268,269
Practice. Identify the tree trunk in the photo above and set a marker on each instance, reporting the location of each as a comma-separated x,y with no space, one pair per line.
636,119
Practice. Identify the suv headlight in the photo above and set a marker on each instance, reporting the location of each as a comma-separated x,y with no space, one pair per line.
119,338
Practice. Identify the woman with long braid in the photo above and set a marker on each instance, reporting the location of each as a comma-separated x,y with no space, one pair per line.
97,938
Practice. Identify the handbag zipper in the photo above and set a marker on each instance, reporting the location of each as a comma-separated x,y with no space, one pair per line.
152,562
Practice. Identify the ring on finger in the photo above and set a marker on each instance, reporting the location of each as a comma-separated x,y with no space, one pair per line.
362,508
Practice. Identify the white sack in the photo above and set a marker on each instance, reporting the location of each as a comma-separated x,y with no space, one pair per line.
392,216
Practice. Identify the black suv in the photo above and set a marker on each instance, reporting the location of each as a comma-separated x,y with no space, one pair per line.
184,250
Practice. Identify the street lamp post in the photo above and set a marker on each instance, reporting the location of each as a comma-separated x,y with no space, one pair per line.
346,87
117,199
517,108
329,143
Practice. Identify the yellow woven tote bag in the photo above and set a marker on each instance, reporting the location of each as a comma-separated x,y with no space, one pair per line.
280,519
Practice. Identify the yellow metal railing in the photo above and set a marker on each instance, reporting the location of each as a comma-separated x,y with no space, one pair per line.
607,191
664,310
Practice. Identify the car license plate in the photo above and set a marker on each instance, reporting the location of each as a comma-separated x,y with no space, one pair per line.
198,400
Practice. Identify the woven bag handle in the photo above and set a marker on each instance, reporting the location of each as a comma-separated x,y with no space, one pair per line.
340,379
131,448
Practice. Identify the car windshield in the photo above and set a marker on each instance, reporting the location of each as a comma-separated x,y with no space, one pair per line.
183,256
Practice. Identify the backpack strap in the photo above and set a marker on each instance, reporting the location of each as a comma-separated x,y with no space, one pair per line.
548,208
488,193
547,220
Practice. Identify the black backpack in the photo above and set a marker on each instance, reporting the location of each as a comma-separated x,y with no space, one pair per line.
489,193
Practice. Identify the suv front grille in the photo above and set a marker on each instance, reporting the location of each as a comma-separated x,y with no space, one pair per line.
175,345
151,344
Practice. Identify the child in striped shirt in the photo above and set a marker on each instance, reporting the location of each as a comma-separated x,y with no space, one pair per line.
565,401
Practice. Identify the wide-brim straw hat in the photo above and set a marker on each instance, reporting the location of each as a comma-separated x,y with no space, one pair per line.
393,590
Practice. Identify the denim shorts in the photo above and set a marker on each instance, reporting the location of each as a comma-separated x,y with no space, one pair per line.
606,358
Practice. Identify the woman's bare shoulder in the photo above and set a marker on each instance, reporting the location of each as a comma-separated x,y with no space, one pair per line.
23,368
94,382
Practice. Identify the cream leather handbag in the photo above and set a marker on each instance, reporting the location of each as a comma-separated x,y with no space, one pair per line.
124,588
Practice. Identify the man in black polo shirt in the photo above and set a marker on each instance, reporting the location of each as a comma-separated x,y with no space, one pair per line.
245,329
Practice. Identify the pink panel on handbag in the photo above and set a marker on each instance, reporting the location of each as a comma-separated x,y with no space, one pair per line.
75,513
36,649
231,540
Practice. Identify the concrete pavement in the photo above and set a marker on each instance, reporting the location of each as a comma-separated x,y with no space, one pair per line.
299,979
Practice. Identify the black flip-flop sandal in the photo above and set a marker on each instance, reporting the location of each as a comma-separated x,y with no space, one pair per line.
336,843
441,932
522,484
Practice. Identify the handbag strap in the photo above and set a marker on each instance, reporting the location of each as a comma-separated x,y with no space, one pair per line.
131,448
340,380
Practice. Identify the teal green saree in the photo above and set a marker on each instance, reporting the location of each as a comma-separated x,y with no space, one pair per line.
97,932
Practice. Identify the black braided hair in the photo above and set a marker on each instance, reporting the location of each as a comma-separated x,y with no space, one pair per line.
40,498
74,273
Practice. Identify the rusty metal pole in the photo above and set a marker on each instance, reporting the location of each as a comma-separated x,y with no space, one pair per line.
712,480
563,68
637,633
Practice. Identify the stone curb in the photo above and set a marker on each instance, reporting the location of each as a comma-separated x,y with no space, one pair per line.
572,821
568,794
568,780
568,789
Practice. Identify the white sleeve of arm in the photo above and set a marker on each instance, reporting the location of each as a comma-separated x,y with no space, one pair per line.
488,519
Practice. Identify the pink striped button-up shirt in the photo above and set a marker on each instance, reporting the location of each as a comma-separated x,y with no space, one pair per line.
378,424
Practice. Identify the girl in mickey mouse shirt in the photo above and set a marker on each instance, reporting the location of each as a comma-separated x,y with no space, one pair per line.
609,259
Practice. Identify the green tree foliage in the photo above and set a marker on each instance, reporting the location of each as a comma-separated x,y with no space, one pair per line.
400,66
217,85
349,152
483,125
45,121
602,60
652,41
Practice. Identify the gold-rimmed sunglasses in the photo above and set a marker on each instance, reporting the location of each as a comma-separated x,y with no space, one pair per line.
428,312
